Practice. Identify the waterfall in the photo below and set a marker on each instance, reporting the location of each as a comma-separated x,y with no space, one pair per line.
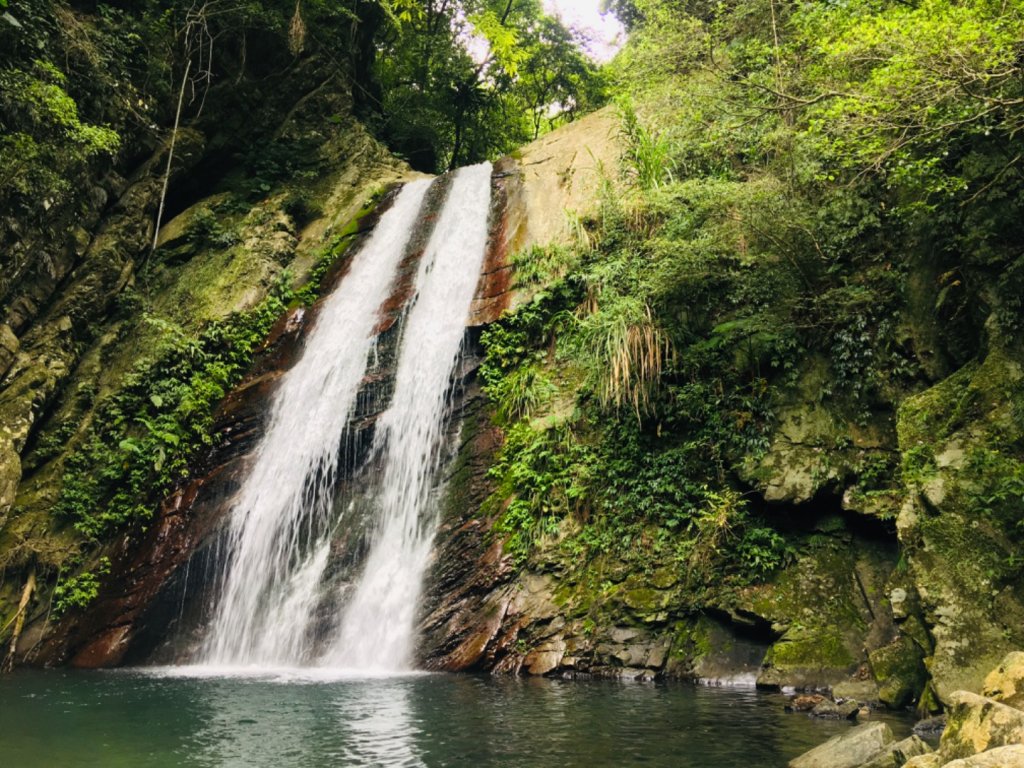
376,627
284,522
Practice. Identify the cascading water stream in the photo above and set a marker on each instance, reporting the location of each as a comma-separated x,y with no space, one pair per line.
279,541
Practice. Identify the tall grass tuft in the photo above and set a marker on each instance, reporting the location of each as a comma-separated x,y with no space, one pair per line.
649,153
628,352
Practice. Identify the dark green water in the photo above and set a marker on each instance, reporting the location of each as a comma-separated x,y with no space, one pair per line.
113,719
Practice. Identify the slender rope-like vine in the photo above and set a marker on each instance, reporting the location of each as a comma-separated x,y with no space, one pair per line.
170,156
198,39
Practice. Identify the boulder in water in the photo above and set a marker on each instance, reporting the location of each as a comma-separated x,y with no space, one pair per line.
833,711
849,750
804,703
931,726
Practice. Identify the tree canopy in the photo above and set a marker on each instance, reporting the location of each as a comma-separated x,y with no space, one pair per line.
463,80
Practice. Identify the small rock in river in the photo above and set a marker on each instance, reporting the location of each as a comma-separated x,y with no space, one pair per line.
932,726
832,711
804,703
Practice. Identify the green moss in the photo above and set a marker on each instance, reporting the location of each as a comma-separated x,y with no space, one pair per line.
805,649
144,436
692,640
930,417
665,578
645,600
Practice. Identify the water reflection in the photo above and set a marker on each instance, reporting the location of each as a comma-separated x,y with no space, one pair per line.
248,723
378,727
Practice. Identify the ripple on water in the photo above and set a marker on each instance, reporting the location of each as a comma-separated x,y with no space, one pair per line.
272,674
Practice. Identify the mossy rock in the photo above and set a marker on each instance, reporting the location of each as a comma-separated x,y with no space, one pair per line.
645,601
817,444
900,672
820,612
811,657
963,447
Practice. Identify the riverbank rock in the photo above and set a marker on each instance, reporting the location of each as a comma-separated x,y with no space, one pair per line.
1005,683
848,750
896,755
976,724
866,746
900,673
1003,757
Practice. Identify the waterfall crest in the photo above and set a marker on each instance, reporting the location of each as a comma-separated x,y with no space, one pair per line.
284,522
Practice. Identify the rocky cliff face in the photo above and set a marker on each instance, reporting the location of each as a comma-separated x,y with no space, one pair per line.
898,591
